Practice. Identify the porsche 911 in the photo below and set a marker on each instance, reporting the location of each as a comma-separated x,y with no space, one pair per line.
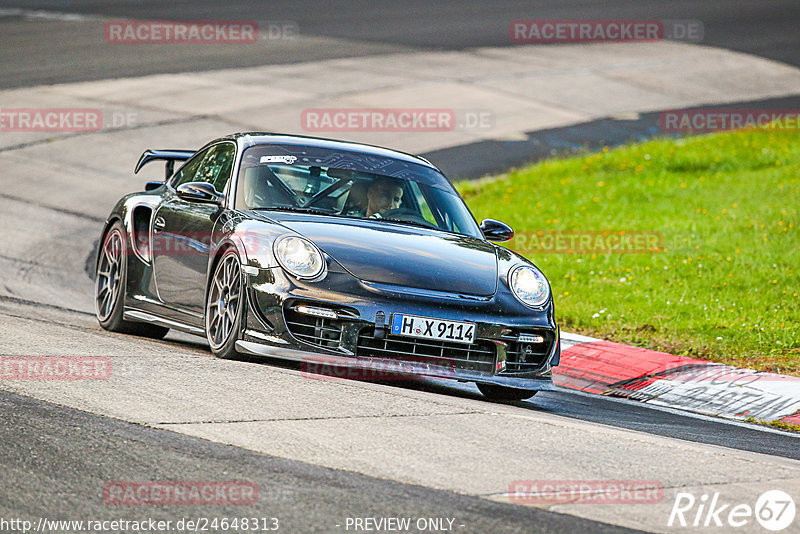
319,250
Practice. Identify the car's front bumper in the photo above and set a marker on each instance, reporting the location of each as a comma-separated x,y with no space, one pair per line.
358,337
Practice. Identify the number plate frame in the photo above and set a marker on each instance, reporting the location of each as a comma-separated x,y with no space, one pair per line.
432,328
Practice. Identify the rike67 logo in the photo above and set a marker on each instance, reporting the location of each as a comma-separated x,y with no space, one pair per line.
774,510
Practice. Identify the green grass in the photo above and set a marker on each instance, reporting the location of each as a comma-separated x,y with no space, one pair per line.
780,425
725,284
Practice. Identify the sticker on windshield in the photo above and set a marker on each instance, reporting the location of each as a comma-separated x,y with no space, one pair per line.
278,159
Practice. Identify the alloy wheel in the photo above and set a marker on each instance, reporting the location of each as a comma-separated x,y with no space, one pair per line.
109,275
223,301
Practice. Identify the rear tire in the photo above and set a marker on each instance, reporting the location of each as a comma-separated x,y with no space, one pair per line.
224,307
505,393
109,287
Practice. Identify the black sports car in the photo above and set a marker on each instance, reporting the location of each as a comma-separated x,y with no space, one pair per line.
326,251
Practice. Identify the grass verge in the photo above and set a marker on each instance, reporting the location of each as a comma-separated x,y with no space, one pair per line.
780,425
715,275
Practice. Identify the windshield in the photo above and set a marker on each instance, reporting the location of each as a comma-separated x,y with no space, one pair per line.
350,184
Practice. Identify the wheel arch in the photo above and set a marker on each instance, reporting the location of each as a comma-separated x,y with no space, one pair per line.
106,227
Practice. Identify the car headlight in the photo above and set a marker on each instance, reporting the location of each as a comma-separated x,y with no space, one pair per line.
299,257
529,285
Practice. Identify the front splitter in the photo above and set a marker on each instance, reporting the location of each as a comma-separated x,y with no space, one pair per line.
387,369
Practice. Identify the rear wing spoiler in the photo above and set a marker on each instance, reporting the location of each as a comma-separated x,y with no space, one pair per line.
170,156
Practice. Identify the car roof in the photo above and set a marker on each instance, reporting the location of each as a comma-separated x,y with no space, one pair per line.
248,139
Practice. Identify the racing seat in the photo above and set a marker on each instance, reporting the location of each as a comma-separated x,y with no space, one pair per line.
260,189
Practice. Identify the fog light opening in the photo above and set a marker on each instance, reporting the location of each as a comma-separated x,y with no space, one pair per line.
316,311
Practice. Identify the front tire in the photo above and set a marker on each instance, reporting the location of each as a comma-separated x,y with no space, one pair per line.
505,393
109,287
224,307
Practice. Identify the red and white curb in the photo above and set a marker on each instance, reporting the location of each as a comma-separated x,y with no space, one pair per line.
606,368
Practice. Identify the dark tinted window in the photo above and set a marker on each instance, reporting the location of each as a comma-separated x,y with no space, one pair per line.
189,169
212,165
350,184
216,166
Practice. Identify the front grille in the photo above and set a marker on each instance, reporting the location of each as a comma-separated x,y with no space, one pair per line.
476,357
527,357
319,331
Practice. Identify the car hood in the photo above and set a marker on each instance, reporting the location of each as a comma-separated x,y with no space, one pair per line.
401,255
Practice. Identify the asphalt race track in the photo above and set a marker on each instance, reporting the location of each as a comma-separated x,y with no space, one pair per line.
353,28
305,498
321,451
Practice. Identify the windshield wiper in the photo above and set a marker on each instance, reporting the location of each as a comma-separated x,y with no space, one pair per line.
314,211
429,226
297,209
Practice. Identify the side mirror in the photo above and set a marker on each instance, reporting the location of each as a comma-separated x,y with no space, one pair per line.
151,186
200,192
496,230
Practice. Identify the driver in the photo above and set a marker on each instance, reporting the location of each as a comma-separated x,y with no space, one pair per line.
383,195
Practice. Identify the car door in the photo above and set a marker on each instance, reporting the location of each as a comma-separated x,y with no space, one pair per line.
182,231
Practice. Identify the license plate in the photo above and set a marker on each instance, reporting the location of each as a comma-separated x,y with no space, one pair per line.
425,327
